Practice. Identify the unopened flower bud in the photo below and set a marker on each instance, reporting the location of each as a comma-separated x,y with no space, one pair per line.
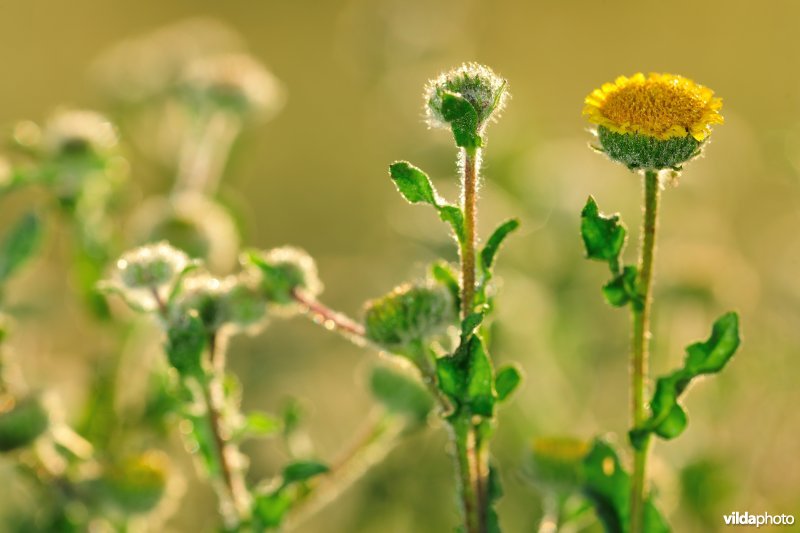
284,270
78,133
21,422
409,315
151,266
234,81
477,84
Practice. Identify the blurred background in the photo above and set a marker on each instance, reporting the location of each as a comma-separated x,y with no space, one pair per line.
315,175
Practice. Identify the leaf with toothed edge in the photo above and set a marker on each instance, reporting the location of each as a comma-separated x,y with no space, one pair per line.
667,418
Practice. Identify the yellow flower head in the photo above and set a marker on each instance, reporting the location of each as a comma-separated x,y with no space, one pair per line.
663,106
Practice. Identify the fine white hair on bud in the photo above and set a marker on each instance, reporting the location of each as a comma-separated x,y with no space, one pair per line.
78,132
235,81
485,91
410,314
151,266
282,271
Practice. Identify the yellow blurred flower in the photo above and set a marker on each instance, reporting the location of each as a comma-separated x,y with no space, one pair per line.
663,106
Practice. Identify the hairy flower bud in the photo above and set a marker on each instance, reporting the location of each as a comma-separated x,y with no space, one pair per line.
21,422
234,81
78,133
284,270
235,300
409,315
477,84
151,266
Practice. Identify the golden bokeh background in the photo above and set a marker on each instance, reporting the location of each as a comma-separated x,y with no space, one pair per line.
316,176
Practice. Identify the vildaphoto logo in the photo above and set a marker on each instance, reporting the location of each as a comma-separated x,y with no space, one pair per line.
764,519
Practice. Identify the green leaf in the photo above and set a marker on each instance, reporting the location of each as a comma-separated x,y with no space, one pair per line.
450,376
711,356
463,119
401,393
494,492
413,183
261,424
507,380
19,244
270,509
186,340
444,274
622,289
301,471
454,216
603,235
480,393
489,251
472,322
607,486
667,418
23,423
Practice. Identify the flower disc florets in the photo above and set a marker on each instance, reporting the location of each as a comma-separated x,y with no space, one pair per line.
78,133
409,315
477,84
652,122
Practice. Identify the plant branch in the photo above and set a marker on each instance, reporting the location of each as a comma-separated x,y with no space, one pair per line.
328,318
205,152
641,344
235,487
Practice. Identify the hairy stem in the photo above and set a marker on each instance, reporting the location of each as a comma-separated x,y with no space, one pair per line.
205,152
472,456
233,480
469,198
641,345
327,317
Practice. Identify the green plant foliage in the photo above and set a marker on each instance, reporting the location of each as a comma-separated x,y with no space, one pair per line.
19,244
416,187
496,239
607,485
621,290
507,381
603,235
23,423
467,378
668,419
400,393
186,340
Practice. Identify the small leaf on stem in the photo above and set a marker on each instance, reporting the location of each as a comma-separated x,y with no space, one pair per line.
413,183
603,235
506,382
667,418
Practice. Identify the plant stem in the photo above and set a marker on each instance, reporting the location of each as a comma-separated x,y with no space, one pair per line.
328,318
641,344
469,197
472,456
205,152
235,487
